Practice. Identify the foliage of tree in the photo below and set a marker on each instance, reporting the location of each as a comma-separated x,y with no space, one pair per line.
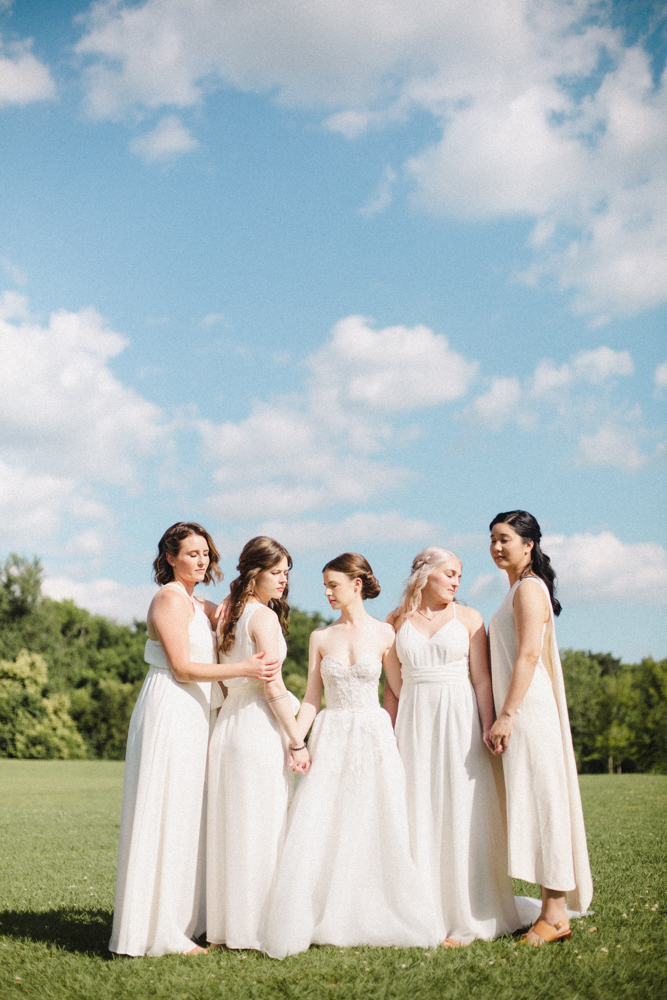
69,681
31,723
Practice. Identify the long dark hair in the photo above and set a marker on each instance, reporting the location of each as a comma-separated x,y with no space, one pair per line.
258,554
528,529
170,544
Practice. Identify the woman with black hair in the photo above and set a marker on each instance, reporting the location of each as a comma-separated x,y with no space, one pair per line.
545,825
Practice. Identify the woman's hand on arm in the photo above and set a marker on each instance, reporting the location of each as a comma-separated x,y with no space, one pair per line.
479,673
530,615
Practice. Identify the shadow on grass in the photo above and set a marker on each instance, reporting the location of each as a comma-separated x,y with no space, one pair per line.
86,932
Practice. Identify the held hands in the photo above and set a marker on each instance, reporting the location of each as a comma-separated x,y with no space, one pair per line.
499,734
261,667
299,760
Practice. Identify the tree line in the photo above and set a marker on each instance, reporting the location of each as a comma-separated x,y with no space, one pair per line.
69,680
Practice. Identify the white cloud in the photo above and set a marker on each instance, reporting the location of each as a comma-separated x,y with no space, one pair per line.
17,274
311,451
499,404
660,377
62,411
382,197
612,445
601,364
103,596
23,78
595,568
169,138
530,123
358,529
32,505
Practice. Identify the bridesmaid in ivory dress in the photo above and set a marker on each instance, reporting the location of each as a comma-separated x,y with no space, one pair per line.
346,876
547,839
249,779
159,887
457,831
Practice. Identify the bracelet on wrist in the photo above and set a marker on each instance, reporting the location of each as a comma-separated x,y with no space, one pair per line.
296,749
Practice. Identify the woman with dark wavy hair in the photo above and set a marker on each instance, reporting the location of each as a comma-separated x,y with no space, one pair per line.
545,824
249,779
159,889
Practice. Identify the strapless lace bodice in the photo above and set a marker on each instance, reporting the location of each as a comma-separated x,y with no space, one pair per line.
353,688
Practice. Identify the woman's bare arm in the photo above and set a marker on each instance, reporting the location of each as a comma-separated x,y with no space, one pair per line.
480,677
312,700
170,615
264,630
530,614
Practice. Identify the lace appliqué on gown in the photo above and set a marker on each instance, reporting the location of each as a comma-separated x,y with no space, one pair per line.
354,734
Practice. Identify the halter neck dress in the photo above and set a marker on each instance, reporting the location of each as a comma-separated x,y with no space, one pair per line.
249,785
546,834
457,830
160,902
346,876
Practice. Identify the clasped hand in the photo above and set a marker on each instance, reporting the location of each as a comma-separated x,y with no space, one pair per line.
299,760
498,735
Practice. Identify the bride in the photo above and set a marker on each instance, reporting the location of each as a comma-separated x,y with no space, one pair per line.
346,876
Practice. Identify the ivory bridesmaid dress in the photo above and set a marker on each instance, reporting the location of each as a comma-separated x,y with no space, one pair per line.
546,834
457,829
249,785
160,902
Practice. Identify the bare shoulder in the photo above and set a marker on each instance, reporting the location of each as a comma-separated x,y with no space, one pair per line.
387,631
470,617
264,616
529,599
167,598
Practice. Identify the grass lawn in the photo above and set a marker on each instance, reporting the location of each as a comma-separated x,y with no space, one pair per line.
58,832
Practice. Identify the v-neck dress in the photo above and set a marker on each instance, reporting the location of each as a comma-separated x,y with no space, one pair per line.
454,787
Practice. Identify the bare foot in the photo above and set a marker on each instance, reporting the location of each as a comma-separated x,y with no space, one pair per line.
197,950
534,939
453,943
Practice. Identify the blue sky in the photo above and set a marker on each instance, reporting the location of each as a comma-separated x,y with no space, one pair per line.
359,275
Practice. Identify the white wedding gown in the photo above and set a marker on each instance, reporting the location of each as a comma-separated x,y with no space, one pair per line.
346,876
249,784
160,902
457,825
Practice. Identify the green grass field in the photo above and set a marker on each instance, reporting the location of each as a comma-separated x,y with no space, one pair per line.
58,831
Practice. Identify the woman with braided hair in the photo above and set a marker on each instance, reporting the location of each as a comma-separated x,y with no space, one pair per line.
249,777
546,835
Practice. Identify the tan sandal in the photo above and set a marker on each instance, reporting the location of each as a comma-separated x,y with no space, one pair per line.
560,932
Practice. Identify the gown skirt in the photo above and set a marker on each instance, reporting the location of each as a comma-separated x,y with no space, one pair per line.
346,876
454,788
160,903
546,834
249,788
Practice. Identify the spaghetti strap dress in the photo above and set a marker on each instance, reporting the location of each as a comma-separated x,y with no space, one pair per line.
160,903
249,785
455,798
545,823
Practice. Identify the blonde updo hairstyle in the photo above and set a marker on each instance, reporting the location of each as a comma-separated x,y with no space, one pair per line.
423,565
259,554
354,565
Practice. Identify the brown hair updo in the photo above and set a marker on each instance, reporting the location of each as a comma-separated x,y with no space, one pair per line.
258,554
354,565
170,545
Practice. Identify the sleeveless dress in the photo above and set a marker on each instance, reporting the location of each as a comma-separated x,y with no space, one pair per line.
346,876
249,783
457,826
545,824
159,903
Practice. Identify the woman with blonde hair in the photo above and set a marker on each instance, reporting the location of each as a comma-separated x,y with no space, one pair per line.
160,903
249,779
439,669
346,876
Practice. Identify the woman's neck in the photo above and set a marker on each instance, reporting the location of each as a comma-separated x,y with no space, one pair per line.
515,573
431,605
187,585
354,613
